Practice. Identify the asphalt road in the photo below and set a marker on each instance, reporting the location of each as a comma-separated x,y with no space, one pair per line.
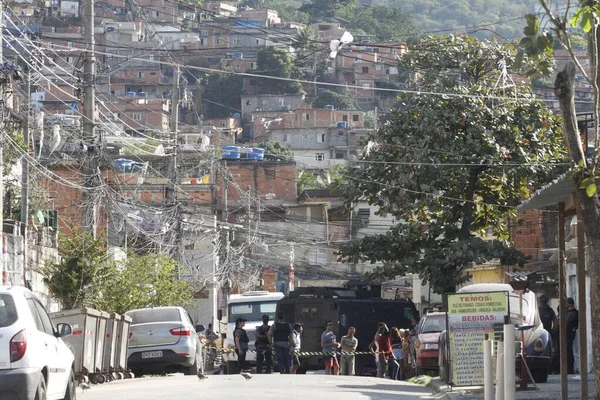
260,387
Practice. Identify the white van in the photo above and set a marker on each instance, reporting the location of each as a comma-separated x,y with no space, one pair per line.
250,306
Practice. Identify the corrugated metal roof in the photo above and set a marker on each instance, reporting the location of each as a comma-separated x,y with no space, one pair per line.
558,191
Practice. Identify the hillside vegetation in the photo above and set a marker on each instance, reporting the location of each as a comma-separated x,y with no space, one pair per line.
503,17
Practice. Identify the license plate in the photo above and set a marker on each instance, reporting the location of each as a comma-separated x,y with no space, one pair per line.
152,354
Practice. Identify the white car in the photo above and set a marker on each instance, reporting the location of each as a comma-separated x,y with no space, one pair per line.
164,339
35,364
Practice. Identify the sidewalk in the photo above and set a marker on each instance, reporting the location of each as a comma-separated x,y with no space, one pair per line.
549,391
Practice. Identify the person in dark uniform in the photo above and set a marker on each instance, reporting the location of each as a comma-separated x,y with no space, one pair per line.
572,326
547,314
241,343
263,347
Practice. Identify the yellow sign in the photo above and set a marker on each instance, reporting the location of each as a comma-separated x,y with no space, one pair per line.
470,317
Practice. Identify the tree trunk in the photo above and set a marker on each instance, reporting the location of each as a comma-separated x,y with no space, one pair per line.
589,206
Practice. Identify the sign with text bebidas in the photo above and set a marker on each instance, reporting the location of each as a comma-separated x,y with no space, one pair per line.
470,317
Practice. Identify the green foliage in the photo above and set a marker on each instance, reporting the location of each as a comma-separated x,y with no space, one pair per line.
328,97
287,10
77,279
370,119
537,45
223,94
275,62
141,149
383,22
453,167
334,178
461,58
483,19
143,281
276,150
86,278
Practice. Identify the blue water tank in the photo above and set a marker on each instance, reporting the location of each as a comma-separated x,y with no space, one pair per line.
342,124
130,94
230,152
256,153
123,165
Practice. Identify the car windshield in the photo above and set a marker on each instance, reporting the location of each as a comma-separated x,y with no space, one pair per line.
154,315
434,324
252,311
8,311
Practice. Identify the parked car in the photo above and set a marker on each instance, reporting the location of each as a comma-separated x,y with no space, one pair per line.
35,363
537,342
164,339
425,346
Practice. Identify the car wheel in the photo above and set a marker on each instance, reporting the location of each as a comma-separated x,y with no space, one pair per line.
193,370
70,391
40,393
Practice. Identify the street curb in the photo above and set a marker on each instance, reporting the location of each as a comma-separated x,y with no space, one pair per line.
444,392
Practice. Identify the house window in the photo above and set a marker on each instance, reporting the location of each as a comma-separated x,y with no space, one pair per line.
355,117
203,42
70,44
203,33
378,67
317,257
340,155
252,66
305,116
260,42
387,71
365,70
248,103
305,136
366,86
223,124
236,40
157,13
69,59
136,116
140,75
270,174
220,40
320,156
168,39
345,118
364,214
287,138
320,137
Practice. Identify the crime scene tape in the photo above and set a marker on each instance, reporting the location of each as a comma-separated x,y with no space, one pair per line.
303,353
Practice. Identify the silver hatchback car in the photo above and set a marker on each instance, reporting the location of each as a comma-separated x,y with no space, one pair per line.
162,340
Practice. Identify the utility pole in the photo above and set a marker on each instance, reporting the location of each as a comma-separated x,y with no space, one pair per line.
25,175
170,196
90,162
3,105
291,270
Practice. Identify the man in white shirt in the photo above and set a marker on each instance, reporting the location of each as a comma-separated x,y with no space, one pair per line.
295,348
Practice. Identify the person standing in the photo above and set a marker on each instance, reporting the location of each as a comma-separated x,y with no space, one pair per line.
547,314
385,352
349,343
329,346
263,347
241,343
295,348
572,326
398,353
280,335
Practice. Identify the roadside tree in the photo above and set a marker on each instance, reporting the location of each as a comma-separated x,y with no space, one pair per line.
451,164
